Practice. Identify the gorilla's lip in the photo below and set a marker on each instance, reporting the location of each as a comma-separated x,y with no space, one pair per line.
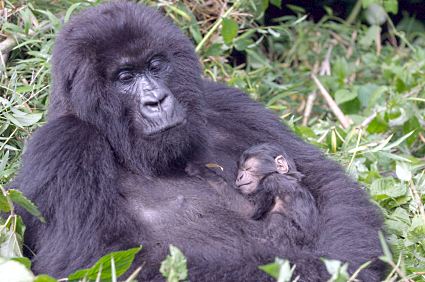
244,184
166,127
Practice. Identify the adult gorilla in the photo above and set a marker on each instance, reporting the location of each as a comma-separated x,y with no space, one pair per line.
129,109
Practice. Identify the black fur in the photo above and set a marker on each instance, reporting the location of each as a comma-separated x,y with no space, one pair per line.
103,187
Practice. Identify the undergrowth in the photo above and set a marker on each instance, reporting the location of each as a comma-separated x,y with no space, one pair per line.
355,89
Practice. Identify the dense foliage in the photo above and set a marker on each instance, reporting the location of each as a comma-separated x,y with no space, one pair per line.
355,88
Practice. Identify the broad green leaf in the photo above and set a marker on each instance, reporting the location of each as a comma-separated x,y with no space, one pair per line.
384,188
342,96
403,172
4,204
214,50
229,30
19,198
378,125
122,262
174,267
29,119
391,6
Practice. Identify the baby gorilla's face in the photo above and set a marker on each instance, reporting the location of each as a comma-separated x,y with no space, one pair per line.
249,176
256,168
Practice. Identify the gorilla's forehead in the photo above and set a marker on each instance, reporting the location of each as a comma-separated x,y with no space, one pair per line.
122,27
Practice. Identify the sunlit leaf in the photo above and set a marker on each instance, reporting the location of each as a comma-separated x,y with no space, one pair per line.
174,267
229,30
122,262
19,198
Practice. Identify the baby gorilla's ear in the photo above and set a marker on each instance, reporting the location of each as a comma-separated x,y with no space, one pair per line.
281,164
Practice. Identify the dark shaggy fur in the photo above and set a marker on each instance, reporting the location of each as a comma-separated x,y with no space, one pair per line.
103,187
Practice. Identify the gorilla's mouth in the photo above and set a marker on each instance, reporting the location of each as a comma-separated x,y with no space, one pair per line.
161,116
165,126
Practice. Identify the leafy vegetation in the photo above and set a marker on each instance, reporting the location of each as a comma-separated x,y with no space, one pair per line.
354,88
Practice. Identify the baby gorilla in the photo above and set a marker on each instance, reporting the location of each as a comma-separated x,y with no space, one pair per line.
269,179
270,190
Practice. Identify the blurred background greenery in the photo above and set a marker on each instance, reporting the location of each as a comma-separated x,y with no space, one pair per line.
347,76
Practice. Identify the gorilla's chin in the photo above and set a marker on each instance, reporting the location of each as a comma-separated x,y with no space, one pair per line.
168,149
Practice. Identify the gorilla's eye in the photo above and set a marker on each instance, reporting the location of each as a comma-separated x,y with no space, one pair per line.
125,76
157,65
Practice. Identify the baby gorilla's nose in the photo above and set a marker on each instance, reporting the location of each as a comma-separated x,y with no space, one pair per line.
240,176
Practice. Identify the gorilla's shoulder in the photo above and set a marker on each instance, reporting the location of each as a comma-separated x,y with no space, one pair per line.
217,91
225,98
65,140
232,104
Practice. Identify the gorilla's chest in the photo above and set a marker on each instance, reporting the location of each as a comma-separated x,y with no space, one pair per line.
170,201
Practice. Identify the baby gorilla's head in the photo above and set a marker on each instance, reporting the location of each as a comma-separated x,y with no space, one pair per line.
259,162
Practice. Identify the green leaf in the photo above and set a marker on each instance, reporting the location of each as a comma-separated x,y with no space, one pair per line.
391,6
122,262
214,50
280,270
174,267
10,244
337,269
387,253
19,198
367,3
29,119
70,11
403,172
25,261
4,204
385,188
370,36
378,125
44,278
276,3
342,96
229,30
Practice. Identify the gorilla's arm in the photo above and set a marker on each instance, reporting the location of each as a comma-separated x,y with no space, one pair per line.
348,222
69,172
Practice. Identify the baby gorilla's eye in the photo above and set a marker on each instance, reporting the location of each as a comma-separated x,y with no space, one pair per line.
125,76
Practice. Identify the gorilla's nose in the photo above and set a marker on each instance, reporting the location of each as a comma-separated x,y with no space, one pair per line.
156,102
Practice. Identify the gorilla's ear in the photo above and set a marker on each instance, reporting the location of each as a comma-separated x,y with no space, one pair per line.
281,164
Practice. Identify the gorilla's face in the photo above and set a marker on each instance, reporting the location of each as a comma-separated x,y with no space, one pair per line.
153,107
135,76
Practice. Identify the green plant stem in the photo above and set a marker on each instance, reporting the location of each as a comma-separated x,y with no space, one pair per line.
215,26
354,12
